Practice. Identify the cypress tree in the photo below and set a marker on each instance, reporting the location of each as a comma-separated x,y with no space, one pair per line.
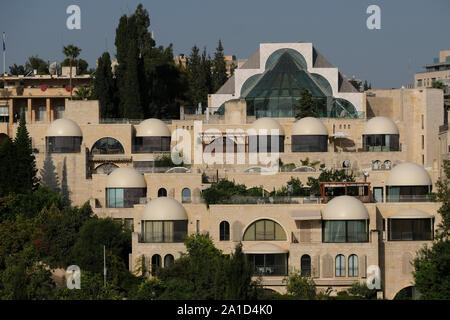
104,87
25,161
48,174
219,68
196,78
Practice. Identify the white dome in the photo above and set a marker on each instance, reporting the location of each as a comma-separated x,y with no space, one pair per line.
408,174
380,125
152,128
411,213
64,128
345,208
309,126
125,177
164,208
267,124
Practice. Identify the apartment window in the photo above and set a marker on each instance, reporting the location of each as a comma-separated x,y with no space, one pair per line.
198,226
41,114
423,159
264,230
168,260
305,265
353,265
419,82
340,265
4,113
156,263
423,142
186,195
422,120
224,231
162,192
60,112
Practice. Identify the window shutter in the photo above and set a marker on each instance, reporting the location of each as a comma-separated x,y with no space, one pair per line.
316,267
327,269
236,229
363,266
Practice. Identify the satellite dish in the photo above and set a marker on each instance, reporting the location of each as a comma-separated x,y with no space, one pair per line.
346,164
54,68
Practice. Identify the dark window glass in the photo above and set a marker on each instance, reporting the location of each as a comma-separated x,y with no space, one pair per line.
164,231
266,144
151,144
381,142
410,229
186,195
340,265
308,143
407,193
124,197
162,192
353,265
168,260
345,231
268,264
63,144
224,231
156,263
305,265
107,146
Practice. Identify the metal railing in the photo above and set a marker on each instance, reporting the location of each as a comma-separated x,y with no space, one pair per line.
409,198
161,237
270,270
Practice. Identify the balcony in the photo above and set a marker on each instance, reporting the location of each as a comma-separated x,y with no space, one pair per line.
443,128
160,237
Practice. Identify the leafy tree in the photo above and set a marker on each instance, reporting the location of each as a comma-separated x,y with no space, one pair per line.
197,80
432,271
82,93
239,273
7,169
104,87
219,67
222,191
443,195
300,287
306,106
150,289
16,70
358,291
25,169
71,52
206,64
36,63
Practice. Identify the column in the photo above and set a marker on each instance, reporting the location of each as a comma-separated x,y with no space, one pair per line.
48,111
29,111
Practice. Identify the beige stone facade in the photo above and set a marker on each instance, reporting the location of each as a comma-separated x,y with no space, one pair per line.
417,114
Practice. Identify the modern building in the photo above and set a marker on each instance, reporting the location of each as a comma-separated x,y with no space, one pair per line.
439,70
387,138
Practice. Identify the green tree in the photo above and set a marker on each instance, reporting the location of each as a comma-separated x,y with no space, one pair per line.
219,67
196,76
330,175
8,167
71,52
367,86
300,287
355,83
81,65
239,274
432,271
16,70
104,87
25,169
443,196
306,106
38,64
438,85
49,177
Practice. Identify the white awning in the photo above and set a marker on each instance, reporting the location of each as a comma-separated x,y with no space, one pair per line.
262,248
306,214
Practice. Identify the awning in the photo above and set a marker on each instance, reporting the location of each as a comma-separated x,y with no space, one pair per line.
306,214
262,248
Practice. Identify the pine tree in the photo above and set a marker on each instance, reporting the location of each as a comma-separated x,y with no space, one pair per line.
206,67
367,86
219,75
306,106
104,87
196,76
25,162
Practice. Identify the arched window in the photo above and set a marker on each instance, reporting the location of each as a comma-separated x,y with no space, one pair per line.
156,263
168,260
340,265
162,192
353,265
105,168
224,231
107,145
264,230
305,265
186,195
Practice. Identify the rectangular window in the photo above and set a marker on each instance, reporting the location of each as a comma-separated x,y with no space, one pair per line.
198,226
4,113
423,142
423,159
410,229
41,114
60,112
422,120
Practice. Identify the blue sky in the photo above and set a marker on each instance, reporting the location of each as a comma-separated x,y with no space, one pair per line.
412,31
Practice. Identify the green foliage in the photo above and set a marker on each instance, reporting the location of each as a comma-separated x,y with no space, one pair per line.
82,93
165,161
105,88
219,68
307,106
71,52
367,86
222,191
330,175
49,178
198,77
358,291
443,195
94,234
16,70
438,85
203,273
36,63
150,289
294,187
432,271
309,163
300,287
